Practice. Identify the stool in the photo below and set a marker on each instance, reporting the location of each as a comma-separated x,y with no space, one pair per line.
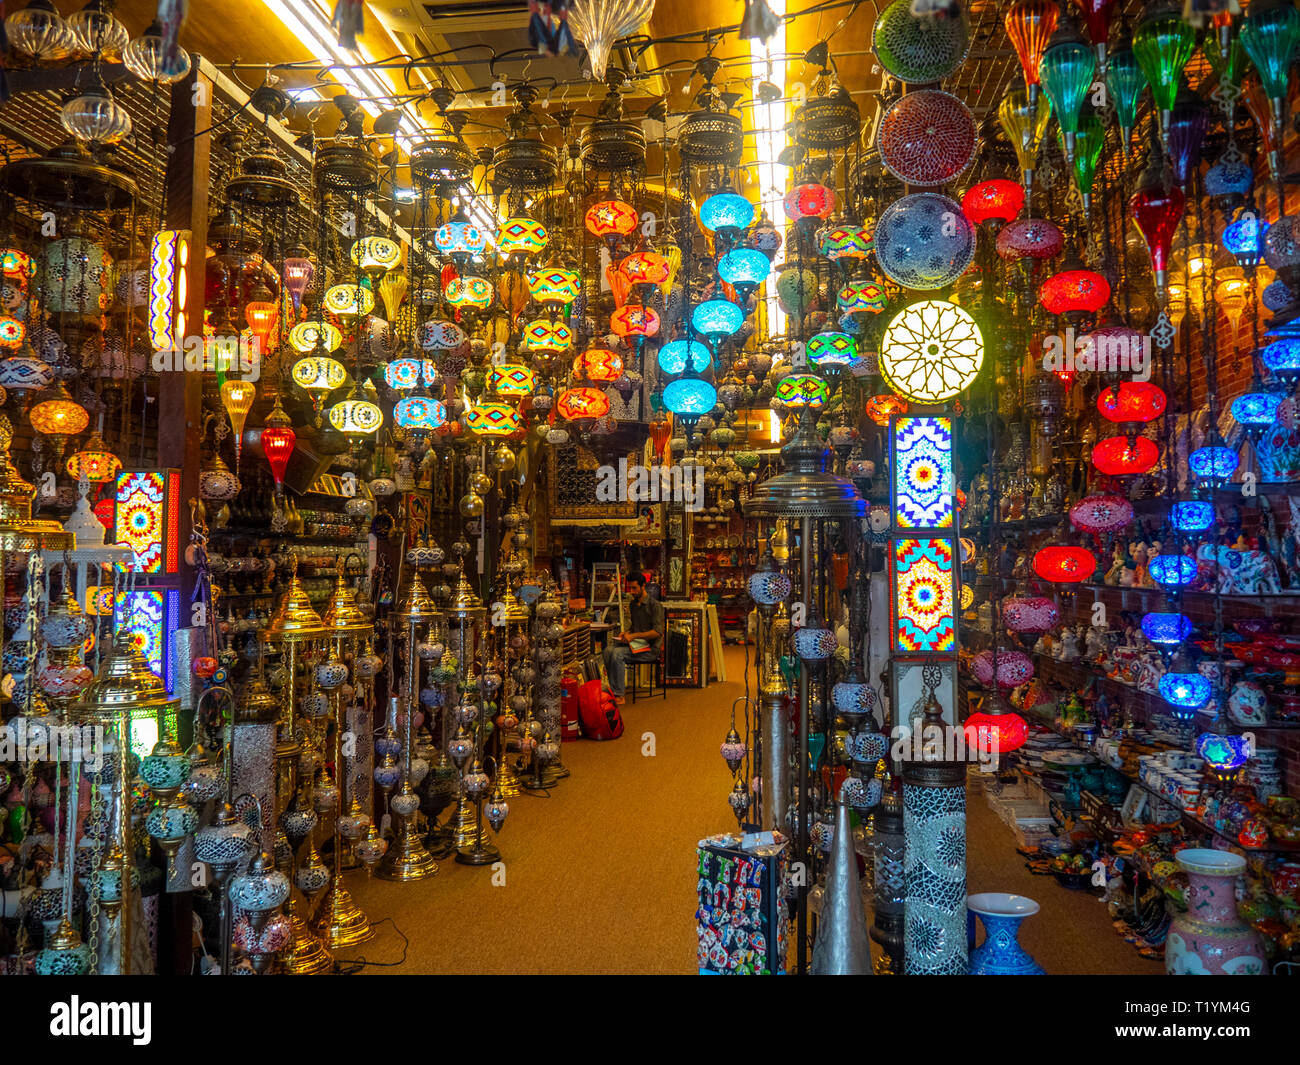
654,679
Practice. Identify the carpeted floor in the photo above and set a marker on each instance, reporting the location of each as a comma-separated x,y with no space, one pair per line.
599,877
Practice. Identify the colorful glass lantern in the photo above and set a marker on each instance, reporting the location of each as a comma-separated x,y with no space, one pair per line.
318,376
94,462
12,333
1187,691
1023,116
884,406
356,416
1029,238
674,355
803,391
599,365
996,733
861,298
645,268
522,236
843,242
459,239
1225,755
1125,80
469,293
1167,629
278,439
297,275
1008,669
995,200
511,379
1163,43
635,320
744,269
1096,17
830,352
262,317
1118,456
1131,402
494,421
1172,571
169,257
1030,615
1244,239
1214,462
1191,515
1156,209
574,404
420,413
1066,71
1282,359
923,590
307,337
924,486
726,212
1101,513
1064,565
931,351
237,397
146,518
716,319
402,375
611,220
809,201
1269,33
544,336
554,286
348,301
1030,25
1255,411
1074,292
1089,139
58,415
375,256
17,265
690,397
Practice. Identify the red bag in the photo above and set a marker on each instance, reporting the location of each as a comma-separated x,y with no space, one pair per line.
570,729
598,713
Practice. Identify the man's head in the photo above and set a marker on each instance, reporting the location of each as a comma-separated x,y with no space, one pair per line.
635,587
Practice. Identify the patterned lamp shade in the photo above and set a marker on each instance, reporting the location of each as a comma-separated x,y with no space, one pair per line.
1166,628
997,733
1029,238
845,242
58,414
744,268
522,236
356,416
306,337
634,320
832,351
645,268
1282,358
861,297
803,390
554,285
884,406
318,374
577,403
374,255
1172,571
1244,238
1030,614
278,439
717,318
493,420
809,201
1131,402
1065,565
690,397
726,211
1256,409
1191,515
611,219
511,379
1074,292
545,336
94,462
1214,462
12,333
599,365
402,375
469,293
17,265
673,356
1099,514
460,237
1117,456
996,200
348,301
420,413
262,318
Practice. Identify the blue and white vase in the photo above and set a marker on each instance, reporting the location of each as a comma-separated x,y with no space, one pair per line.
1001,953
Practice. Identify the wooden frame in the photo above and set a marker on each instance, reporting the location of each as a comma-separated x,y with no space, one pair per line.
689,623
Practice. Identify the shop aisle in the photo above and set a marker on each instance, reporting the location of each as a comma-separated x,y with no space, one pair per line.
1072,933
600,877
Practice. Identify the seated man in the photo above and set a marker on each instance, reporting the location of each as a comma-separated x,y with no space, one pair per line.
641,642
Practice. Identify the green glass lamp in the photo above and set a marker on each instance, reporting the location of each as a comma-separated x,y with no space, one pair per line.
1066,71
1269,34
1088,140
1125,82
1163,43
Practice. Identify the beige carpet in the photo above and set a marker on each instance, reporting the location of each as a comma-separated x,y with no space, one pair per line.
600,876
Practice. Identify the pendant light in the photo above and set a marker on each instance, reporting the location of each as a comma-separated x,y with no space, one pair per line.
1125,82
1030,24
1156,208
1066,71
1163,43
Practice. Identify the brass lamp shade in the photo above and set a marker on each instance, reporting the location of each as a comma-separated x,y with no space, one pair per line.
464,604
418,606
125,683
296,621
19,531
342,616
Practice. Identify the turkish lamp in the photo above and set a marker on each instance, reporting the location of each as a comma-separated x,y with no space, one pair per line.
1224,753
1024,121
278,439
1156,208
1125,82
1163,43
1029,25
38,32
297,274
1066,71
58,416
1214,462
96,32
237,397
149,58
318,376
1269,33
261,891
95,118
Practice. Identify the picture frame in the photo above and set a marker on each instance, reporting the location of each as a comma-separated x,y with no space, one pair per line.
683,648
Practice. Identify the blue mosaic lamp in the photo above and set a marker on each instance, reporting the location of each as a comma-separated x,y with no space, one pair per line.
674,355
1166,628
1185,693
744,269
717,319
726,212
690,397
1192,515
1256,410
831,352
1213,462
1282,359
1172,571
1244,239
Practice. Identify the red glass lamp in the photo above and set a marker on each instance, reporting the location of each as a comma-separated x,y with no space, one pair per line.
1074,293
645,268
611,220
1156,209
599,365
1131,404
996,200
261,317
633,320
880,408
278,439
1064,565
576,403
809,201
1117,456
996,733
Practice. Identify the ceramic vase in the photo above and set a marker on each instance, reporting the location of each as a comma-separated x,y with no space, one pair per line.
1210,939
1001,954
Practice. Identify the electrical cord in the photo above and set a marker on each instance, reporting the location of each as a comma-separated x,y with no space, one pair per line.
352,966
